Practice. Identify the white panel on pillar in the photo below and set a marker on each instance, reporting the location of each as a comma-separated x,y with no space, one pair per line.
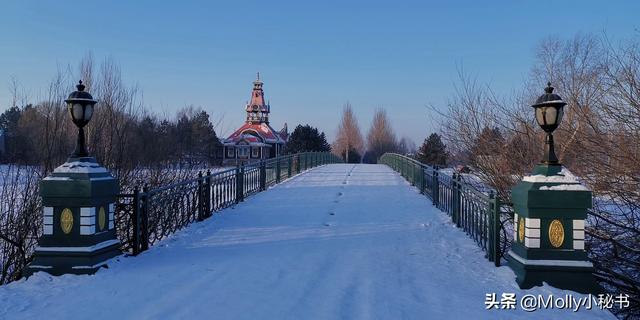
532,243
88,212
533,223
532,233
86,230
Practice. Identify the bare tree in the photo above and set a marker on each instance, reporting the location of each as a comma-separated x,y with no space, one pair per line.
597,140
381,138
349,137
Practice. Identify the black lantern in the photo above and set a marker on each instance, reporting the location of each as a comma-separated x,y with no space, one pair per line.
80,105
549,112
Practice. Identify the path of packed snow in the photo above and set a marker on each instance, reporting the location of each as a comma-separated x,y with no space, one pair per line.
338,242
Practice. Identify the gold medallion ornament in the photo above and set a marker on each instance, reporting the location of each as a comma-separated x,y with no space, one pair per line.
556,233
521,229
101,218
66,220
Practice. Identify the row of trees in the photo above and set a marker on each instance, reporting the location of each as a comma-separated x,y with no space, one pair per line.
149,140
597,140
123,135
381,138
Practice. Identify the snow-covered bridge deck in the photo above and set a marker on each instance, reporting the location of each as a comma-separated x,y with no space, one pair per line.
338,242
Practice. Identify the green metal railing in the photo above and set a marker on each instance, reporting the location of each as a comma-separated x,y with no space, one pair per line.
477,213
147,216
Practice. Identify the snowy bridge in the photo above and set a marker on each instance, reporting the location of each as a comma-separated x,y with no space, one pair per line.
339,241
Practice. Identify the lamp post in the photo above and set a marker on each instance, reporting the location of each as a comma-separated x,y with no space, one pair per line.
80,104
78,200
549,111
550,209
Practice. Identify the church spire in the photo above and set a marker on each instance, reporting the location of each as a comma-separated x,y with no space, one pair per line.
257,109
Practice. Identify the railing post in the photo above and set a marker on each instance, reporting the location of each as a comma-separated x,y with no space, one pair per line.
200,198
208,194
278,170
135,219
494,229
422,180
404,169
456,199
436,187
146,203
298,164
239,183
263,175
413,174
305,155
289,165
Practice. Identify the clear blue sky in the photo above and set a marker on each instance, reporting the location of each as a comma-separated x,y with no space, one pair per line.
313,55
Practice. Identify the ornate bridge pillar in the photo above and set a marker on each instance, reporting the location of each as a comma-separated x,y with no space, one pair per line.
79,228
79,203
548,238
550,212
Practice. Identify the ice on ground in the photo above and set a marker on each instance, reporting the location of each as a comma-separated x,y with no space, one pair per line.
384,253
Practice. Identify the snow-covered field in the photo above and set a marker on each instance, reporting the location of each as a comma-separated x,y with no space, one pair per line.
338,242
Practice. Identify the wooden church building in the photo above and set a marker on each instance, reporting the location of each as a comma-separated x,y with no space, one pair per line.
255,139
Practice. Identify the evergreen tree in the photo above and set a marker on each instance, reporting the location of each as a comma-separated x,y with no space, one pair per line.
9,125
433,151
204,136
196,138
307,138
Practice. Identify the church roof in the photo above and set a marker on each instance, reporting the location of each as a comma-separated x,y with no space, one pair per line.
263,130
248,138
257,124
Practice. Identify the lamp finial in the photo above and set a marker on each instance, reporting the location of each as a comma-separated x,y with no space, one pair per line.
549,88
80,86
